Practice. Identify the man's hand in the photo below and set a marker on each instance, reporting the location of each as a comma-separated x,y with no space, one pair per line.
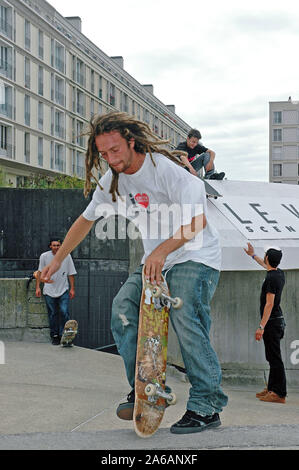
153,266
72,293
38,292
250,250
48,271
259,334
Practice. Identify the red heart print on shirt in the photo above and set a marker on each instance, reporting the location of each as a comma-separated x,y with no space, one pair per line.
142,199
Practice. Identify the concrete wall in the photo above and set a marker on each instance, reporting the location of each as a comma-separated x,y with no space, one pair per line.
235,318
23,317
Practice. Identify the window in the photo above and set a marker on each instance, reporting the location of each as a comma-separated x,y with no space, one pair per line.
92,81
40,116
6,21
57,157
100,87
6,100
80,69
40,151
111,94
27,147
78,164
80,103
91,107
3,139
27,35
40,80
277,117
6,61
27,110
59,90
40,44
59,124
277,135
27,73
277,169
57,56
80,138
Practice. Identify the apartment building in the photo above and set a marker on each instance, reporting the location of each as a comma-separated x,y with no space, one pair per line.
284,141
52,80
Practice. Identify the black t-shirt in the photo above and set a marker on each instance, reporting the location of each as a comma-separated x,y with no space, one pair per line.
191,152
273,284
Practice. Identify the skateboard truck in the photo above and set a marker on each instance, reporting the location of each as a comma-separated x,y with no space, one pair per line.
176,302
154,391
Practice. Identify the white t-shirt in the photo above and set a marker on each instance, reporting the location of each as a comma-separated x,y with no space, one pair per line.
159,199
60,278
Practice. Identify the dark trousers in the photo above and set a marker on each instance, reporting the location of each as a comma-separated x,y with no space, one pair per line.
273,334
58,313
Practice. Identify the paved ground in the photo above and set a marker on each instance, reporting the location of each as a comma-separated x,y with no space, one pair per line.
65,398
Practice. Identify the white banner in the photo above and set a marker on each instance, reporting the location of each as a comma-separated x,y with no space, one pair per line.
262,218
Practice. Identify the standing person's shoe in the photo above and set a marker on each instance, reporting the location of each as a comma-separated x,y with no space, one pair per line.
192,422
217,176
55,340
262,393
272,397
126,410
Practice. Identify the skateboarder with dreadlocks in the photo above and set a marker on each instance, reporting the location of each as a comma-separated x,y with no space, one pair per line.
142,176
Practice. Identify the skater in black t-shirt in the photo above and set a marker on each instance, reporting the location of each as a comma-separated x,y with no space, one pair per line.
272,323
198,156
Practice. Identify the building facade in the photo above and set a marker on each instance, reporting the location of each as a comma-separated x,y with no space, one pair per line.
52,80
284,142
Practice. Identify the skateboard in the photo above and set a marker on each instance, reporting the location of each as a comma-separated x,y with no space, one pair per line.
151,399
210,191
69,332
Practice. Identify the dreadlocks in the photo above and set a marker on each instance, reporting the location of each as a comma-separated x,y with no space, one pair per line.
129,128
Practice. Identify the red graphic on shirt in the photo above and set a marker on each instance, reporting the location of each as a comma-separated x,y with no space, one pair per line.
142,199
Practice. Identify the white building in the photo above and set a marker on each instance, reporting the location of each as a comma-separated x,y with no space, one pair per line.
284,142
52,80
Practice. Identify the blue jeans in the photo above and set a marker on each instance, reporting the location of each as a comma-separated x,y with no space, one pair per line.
195,283
54,306
201,161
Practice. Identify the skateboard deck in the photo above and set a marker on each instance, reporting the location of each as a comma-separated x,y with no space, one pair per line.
210,191
69,332
150,374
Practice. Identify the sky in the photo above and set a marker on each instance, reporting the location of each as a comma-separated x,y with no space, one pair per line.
219,62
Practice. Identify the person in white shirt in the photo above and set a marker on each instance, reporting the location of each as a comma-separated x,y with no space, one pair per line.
145,182
57,293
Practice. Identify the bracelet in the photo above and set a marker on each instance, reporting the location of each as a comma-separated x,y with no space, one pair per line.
253,256
261,328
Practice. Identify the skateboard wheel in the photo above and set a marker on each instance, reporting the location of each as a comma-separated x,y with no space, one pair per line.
172,400
157,291
178,302
150,390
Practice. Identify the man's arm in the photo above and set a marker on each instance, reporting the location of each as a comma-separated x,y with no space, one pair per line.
212,158
266,315
72,285
75,235
37,284
156,260
250,252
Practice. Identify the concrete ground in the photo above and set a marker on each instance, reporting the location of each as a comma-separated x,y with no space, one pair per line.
65,399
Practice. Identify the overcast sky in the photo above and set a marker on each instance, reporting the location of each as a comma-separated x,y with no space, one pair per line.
220,63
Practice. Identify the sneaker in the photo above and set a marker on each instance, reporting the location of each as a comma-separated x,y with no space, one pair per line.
262,393
272,397
217,176
55,340
192,422
125,410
